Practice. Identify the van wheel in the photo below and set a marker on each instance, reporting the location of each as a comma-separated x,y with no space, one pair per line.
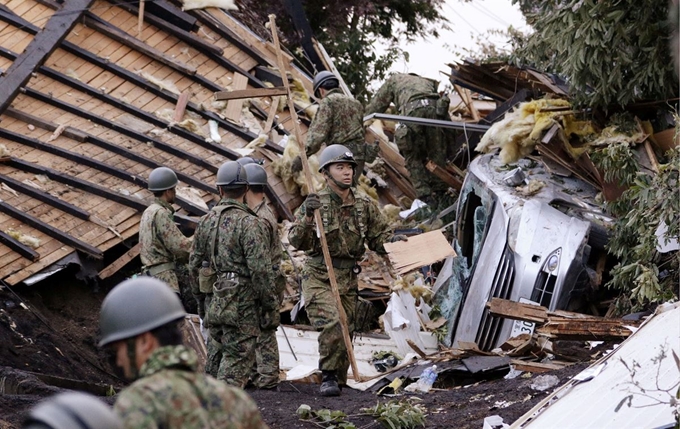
598,237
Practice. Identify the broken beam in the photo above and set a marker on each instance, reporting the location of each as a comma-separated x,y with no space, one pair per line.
480,128
120,262
249,93
41,47
517,310
444,175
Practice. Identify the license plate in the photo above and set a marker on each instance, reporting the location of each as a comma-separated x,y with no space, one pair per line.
520,327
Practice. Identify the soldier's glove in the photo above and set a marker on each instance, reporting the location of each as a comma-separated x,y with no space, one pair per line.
200,302
313,202
270,320
296,165
398,237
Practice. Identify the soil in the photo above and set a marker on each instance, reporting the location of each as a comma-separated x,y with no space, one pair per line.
51,329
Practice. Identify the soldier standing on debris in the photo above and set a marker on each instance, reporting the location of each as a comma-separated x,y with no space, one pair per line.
162,244
351,221
230,259
339,120
267,349
417,96
140,324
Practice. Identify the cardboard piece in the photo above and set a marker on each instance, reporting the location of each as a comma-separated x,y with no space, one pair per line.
418,251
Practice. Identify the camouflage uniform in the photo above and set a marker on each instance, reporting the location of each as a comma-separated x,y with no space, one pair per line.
415,96
339,120
162,242
171,394
242,250
267,350
349,227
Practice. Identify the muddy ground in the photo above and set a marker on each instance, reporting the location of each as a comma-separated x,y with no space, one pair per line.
51,329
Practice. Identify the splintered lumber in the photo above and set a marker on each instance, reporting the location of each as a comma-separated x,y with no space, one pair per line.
249,93
419,251
595,328
444,175
234,106
120,262
564,325
517,310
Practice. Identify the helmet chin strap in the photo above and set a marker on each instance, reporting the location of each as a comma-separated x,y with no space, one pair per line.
132,357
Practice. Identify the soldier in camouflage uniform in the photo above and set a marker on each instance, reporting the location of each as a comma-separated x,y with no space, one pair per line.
139,323
266,373
339,120
231,242
417,96
162,244
351,221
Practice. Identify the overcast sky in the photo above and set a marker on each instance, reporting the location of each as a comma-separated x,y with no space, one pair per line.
467,20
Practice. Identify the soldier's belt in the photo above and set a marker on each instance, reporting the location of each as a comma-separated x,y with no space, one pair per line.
412,105
343,263
157,269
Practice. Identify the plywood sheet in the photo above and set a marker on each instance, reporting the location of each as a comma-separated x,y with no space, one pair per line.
419,251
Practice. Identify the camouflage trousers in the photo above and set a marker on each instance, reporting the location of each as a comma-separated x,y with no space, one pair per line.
266,372
231,353
323,315
417,144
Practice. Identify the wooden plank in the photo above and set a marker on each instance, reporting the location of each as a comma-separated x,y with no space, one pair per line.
248,93
233,110
536,367
181,106
43,44
517,311
120,262
444,175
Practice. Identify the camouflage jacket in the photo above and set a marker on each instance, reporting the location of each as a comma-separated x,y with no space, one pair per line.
339,120
161,241
401,89
242,247
171,394
349,227
265,213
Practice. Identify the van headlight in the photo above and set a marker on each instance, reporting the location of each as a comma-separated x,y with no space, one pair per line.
553,262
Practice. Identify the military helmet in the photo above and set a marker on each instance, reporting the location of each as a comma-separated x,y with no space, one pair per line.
135,306
232,175
334,154
161,179
323,77
72,410
257,175
245,160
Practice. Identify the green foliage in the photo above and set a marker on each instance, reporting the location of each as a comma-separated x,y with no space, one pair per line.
329,419
404,414
618,163
612,53
485,50
643,274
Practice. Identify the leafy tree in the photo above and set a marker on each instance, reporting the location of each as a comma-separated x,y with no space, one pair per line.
349,30
611,52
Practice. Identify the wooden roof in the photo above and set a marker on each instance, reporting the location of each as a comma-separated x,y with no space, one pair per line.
81,125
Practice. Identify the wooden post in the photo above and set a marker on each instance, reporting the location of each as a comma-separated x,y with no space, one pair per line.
317,214
140,19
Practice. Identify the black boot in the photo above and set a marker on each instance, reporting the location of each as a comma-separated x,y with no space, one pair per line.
329,384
